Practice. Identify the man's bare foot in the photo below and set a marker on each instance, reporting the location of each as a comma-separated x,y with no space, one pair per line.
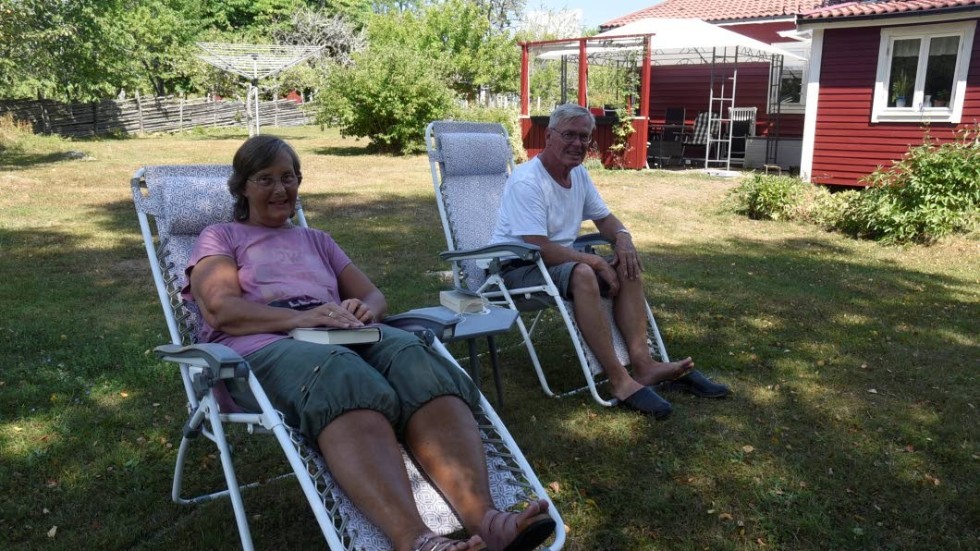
624,389
658,371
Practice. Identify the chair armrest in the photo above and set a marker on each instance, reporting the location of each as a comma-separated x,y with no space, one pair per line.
523,251
588,242
437,321
216,361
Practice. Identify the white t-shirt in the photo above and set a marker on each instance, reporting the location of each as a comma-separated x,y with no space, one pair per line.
535,204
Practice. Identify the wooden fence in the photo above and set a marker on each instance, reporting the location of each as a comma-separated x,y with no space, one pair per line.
143,115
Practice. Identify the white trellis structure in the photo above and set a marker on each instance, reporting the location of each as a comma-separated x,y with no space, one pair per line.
254,62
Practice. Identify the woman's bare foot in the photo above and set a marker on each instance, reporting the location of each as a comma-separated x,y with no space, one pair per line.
433,542
524,531
658,371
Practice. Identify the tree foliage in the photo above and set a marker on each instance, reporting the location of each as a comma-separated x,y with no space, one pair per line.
388,95
390,65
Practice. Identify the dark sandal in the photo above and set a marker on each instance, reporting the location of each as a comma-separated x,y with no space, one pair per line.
435,542
502,531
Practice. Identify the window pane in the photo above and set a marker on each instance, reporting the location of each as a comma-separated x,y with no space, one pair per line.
791,86
905,61
939,72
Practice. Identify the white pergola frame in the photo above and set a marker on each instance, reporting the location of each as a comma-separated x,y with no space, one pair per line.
254,62
666,42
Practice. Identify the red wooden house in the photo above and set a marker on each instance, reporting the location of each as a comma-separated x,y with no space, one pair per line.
881,76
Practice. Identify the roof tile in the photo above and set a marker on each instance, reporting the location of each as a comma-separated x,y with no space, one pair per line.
765,9
718,11
839,10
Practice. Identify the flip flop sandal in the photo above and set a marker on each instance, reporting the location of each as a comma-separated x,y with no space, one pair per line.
435,542
500,526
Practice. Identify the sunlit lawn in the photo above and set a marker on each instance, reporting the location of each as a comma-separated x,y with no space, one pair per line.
853,423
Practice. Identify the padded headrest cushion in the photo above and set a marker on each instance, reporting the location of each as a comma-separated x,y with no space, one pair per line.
191,204
471,154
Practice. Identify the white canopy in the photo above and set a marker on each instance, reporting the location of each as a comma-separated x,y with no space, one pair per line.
673,42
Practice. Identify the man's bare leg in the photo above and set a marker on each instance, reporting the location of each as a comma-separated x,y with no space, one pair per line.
594,325
629,309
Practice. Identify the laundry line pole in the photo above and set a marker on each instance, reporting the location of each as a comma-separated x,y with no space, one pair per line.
255,90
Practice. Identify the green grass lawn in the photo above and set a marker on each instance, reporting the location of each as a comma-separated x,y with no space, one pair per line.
853,423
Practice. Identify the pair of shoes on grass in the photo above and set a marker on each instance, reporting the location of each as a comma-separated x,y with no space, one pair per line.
647,401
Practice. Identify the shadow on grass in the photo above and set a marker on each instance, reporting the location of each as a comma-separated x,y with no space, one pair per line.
803,456
344,151
852,382
22,161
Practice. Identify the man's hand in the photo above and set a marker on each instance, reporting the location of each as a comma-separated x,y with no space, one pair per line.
608,274
627,258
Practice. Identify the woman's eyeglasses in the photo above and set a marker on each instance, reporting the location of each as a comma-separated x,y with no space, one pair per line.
569,137
288,181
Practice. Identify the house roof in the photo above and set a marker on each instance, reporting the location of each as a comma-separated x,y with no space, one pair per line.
870,9
717,11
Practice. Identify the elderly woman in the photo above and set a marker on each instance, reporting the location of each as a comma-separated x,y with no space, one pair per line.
260,276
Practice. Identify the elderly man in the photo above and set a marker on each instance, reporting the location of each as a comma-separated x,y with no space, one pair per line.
545,202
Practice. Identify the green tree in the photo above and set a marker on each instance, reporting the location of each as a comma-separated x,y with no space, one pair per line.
388,95
163,50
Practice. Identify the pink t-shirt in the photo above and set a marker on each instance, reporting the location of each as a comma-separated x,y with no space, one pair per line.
285,266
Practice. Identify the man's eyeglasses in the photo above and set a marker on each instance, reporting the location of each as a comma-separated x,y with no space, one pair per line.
288,181
569,137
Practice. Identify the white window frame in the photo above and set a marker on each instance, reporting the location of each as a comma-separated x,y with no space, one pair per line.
801,49
916,111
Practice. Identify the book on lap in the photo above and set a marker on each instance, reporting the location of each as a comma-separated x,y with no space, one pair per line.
338,335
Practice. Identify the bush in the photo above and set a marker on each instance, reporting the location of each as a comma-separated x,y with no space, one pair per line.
762,197
387,96
932,192
506,117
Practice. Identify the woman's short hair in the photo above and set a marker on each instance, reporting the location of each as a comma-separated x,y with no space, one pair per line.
257,153
567,112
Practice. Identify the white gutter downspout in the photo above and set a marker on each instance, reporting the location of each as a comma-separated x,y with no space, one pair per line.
812,98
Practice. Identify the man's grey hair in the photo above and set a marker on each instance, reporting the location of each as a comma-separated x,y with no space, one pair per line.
567,112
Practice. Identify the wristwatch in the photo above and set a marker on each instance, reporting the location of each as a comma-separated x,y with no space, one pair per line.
626,231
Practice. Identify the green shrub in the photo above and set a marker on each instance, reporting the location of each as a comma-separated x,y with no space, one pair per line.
387,96
932,192
762,197
507,117
827,209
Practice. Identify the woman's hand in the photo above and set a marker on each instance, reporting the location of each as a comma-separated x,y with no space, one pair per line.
359,309
327,315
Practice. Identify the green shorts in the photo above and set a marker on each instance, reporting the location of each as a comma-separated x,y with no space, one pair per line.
312,384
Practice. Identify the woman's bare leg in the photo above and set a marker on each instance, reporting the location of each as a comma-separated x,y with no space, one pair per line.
363,455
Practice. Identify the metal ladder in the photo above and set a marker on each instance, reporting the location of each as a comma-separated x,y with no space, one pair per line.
721,100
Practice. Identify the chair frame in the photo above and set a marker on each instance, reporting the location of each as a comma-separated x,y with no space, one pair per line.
524,299
204,366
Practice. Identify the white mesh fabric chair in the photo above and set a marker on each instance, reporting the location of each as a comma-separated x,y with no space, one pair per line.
173,204
470,163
